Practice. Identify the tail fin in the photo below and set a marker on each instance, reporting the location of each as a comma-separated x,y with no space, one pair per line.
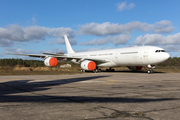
68,45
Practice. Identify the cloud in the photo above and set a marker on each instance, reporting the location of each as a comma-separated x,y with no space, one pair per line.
62,41
53,50
157,39
25,51
34,33
34,21
108,28
116,40
5,43
13,32
171,48
18,51
164,26
124,6
101,29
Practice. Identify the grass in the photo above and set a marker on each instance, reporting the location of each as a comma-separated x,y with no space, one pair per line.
73,70
158,69
38,71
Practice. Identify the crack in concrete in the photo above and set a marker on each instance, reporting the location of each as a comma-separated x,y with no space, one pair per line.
123,114
115,114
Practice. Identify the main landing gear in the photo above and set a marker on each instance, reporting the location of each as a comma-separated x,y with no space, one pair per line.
94,71
150,71
110,70
82,70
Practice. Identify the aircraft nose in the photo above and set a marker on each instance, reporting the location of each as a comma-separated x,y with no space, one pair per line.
166,56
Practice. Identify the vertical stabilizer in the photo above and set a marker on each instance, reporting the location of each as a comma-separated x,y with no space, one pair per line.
68,45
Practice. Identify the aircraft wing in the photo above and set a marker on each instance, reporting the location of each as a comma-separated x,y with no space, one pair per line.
60,56
30,55
53,54
85,58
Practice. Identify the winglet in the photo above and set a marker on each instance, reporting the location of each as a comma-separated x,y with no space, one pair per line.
68,45
5,52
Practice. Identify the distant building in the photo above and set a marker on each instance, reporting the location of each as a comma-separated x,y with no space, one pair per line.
60,53
65,66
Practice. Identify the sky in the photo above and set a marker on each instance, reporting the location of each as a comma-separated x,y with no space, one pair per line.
38,26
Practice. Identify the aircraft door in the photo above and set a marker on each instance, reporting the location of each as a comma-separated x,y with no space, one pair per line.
145,56
116,58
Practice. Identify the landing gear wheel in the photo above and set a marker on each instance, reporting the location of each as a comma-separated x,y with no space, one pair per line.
150,71
82,70
96,70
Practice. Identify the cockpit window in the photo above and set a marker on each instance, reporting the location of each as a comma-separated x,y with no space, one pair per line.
160,51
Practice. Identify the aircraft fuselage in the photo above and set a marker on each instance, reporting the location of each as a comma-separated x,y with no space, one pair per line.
130,56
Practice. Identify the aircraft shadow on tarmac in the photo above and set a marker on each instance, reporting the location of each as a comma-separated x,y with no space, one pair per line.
8,91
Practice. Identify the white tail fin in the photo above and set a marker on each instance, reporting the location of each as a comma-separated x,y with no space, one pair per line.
68,45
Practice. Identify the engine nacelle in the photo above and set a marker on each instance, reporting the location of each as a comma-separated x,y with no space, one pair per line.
51,61
134,68
88,65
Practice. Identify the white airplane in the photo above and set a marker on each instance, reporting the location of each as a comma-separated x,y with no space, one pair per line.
133,57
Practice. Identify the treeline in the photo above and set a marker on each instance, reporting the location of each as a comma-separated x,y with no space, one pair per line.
175,61
28,63
19,62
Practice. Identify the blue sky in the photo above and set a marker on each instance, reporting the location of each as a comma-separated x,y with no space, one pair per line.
37,26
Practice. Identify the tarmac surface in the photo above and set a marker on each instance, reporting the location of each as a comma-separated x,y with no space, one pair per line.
121,96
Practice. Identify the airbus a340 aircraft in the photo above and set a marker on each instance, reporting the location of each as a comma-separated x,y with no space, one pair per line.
132,57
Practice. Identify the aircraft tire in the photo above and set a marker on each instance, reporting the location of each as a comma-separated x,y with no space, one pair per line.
150,71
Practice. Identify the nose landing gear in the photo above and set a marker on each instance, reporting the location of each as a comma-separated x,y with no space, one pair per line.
150,71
